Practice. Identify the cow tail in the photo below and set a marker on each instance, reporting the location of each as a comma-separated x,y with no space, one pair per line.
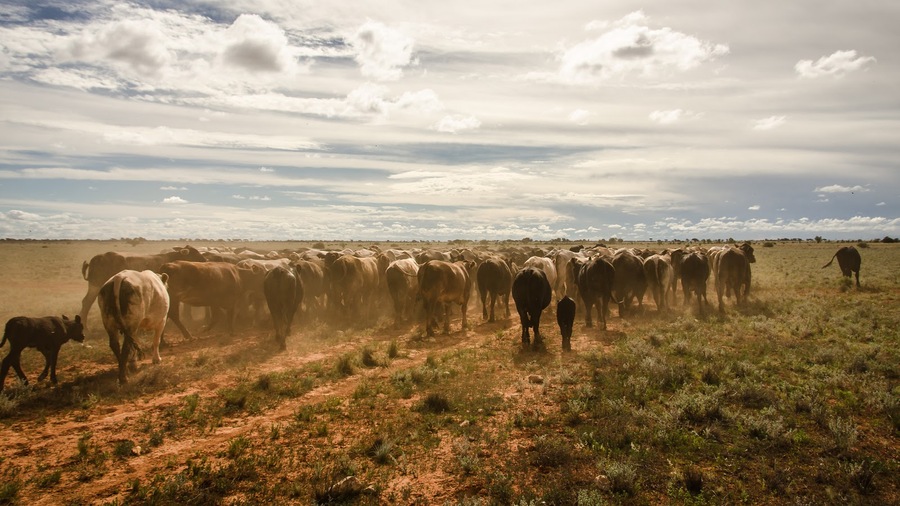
830,261
84,269
120,294
123,293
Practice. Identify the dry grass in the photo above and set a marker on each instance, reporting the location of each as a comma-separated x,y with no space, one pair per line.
791,399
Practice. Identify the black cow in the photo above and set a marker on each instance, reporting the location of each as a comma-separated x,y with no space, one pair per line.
284,292
848,260
47,334
532,293
565,317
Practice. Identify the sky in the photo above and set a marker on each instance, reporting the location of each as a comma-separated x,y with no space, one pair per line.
402,120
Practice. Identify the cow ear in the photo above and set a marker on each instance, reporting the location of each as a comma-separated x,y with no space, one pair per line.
78,318
185,251
64,317
164,278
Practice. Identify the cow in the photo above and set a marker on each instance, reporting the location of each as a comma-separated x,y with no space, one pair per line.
848,260
222,256
565,280
495,280
47,334
565,318
353,283
677,255
403,284
284,292
630,281
268,264
532,293
213,284
425,255
660,275
442,283
595,279
312,275
252,291
694,275
105,265
733,275
131,301
545,264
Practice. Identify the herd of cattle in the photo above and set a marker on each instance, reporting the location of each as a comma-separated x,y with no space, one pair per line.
143,292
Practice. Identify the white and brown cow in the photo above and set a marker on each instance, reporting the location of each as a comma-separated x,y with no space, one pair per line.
131,301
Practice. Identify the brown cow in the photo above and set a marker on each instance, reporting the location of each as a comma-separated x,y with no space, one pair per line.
595,279
442,283
630,280
494,279
131,301
105,265
284,292
403,285
213,284
694,275
659,274
353,283
312,275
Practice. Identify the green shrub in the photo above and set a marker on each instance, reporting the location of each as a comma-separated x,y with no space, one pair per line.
622,477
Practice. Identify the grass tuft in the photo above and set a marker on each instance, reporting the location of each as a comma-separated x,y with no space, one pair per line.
435,403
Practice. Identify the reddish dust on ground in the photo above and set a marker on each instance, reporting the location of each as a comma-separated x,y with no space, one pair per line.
48,440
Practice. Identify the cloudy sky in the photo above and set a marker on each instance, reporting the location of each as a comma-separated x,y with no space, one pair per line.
381,120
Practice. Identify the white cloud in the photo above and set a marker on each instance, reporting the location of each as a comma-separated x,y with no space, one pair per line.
264,198
673,116
456,123
836,65
836,188
140,45
256,45
173,188
753,208
881,204
174,200
381,51
16,214
769,123
633,47
266,169
580,116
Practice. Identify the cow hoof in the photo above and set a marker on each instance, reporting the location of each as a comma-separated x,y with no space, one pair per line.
156,360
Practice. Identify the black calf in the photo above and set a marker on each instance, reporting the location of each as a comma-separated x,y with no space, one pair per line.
47,334
565,317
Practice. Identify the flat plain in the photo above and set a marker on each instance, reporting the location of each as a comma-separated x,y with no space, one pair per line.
793,398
